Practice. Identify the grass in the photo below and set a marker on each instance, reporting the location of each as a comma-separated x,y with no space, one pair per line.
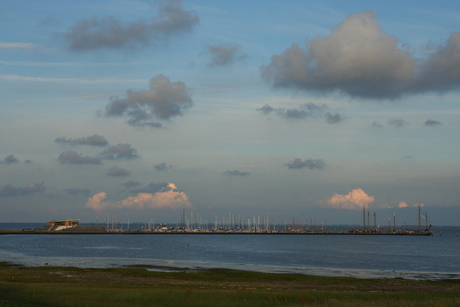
138,286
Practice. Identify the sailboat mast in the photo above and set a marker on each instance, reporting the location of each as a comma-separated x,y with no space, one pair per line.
419,219
364,217
375,221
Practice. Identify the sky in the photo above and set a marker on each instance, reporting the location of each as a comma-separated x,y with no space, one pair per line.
137,110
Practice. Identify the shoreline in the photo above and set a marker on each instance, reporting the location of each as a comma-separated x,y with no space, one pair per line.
127,232
190,265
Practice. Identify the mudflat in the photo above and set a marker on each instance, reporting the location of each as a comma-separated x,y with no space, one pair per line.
163,286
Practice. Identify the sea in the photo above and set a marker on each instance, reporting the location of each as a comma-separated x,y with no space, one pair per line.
433,257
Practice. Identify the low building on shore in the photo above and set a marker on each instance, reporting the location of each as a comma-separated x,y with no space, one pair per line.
71,226
61,224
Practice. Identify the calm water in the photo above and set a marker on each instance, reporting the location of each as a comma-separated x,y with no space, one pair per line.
430,257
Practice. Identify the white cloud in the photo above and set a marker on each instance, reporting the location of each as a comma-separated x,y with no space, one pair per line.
96,202
167,198
356,199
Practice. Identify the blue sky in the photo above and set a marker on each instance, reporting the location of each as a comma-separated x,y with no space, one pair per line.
139,109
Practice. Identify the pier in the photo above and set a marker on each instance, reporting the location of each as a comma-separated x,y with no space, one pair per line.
230,225
181,231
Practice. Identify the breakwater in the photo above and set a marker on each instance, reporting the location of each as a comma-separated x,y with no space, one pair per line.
205,232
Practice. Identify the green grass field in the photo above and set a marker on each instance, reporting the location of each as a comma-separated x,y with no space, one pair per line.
137,286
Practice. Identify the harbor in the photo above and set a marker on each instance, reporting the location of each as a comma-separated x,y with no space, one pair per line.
259,225
102,230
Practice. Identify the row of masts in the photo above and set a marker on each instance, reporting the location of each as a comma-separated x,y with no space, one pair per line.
259,223
367,226
193,222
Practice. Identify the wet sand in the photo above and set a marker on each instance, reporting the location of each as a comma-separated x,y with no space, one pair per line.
170,265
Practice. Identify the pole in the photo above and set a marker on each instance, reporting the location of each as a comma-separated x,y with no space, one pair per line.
419,219
375,221
394,221
368,220
364,217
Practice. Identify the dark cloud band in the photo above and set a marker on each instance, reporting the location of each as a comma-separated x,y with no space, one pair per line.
94,140
112,33
164,100
11,191
308,163
358,59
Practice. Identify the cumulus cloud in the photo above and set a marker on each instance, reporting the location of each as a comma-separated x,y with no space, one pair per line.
94,140
119,152
172,18
97,203
162,166
9,160
167,198
72,157
358,59
113,33
170,198
237,173
432,123
439,72
118,172
164,100
74,191
11,191
308,163
356,199
223,55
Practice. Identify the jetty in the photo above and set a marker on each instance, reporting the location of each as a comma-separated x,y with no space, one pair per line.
101,230
162,229
228,226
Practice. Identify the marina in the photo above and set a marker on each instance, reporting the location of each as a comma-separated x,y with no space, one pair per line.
230,225
181,231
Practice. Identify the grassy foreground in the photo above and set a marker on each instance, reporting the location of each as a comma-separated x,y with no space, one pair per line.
137,286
